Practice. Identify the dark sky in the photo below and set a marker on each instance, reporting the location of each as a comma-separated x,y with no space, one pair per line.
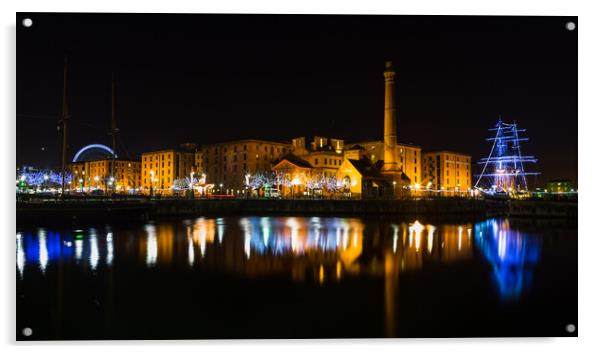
213,78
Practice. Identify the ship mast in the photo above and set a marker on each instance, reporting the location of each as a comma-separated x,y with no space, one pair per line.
504,168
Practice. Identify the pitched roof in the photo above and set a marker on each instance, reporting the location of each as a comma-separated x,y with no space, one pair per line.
366,168
405,178
295,160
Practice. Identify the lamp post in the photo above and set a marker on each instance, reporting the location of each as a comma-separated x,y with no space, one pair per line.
203,187
247,179
112,184
394,184
45,181
192,184
416,189
295,182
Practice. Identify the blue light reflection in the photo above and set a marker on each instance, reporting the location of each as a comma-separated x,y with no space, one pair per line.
512,254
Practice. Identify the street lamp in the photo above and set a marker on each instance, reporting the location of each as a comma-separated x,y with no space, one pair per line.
192,184
247,179
416,189
84,177
45,181
295,182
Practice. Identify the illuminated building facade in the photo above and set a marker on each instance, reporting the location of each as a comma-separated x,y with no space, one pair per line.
446,171
96,174
228,163
161,168
560,186
295,175
360,178
311,169
324,154
409,157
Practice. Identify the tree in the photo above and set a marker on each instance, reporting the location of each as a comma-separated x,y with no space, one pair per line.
262,178
331,184
184,183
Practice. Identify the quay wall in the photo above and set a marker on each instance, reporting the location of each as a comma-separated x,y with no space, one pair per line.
69,212
469,207
543,209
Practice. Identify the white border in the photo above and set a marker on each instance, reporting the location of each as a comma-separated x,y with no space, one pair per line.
590,235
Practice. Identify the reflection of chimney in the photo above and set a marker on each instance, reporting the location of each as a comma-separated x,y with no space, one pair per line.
390,138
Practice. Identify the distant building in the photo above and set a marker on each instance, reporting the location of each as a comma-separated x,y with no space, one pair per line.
161,168
447,171
310,166
324,154
360,178
561,186
408,155
228,163
96,174
294,175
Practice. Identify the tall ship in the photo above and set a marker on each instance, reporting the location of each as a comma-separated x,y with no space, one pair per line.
504,172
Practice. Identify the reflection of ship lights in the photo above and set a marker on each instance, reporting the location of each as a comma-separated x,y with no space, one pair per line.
512,254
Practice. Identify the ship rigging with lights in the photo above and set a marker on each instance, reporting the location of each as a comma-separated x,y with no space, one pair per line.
503,171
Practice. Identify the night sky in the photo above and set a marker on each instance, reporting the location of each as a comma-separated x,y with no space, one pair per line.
214,78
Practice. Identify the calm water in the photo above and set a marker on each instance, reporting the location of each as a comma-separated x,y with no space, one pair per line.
297,277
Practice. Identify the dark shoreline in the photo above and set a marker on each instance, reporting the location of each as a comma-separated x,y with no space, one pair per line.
117,211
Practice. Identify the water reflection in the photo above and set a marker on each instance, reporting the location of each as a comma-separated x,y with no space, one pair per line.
322,249
43,259
109,241
512,254
259,245
20,255
151,245
319,251
94,255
